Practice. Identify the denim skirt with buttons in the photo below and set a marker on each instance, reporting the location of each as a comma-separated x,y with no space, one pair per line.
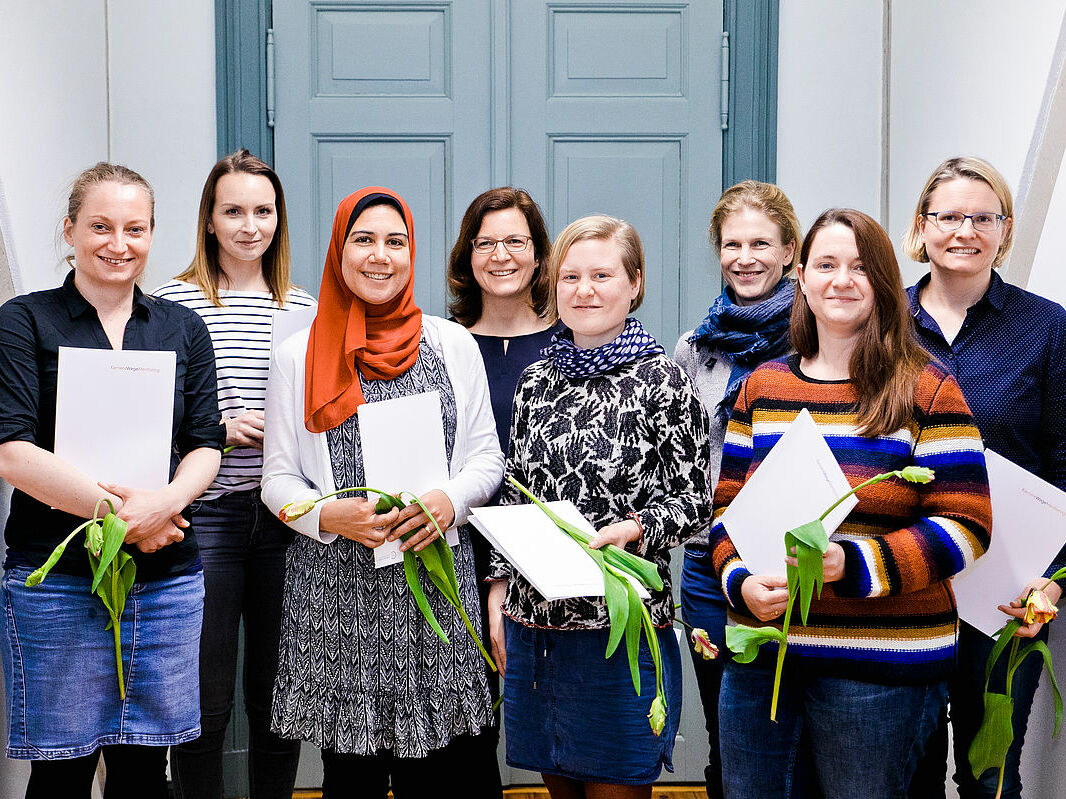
569,711
61,678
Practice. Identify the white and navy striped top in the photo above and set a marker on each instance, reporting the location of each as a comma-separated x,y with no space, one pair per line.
240,332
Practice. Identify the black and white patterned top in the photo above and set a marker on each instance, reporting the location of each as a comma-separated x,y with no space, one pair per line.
360,670
632,440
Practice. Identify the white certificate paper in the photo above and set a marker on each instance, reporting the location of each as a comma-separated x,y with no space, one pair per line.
797,480
403,450
114,414
551,560
1028,530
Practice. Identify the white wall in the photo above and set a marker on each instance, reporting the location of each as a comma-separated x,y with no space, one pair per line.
831,151
81,81
88,80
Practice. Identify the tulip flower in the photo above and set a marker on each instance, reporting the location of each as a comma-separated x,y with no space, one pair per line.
294,510
657,714
114,571
436,559
702,645
994,737
1038,608
807,544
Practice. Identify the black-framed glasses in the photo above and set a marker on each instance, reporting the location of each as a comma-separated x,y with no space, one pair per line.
984,221
513,244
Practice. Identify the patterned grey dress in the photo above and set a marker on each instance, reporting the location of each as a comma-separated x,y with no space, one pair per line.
360,671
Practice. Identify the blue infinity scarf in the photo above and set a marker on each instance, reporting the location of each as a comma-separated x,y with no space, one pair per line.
632,344
748,334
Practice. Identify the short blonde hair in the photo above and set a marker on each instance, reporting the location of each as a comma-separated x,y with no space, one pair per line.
603,228
971,168
765,198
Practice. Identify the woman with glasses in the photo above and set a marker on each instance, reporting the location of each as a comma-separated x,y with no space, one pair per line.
1007,349
500,292
755,233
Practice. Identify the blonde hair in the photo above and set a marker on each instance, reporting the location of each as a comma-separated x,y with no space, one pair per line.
204,270
104,172
970,168
603,228
765,198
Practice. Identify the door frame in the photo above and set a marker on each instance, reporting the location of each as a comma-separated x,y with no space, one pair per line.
749,144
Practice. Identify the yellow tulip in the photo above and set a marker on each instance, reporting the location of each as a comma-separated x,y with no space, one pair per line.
1038,608
702,645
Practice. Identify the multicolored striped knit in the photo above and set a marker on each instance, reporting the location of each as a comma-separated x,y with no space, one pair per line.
892,618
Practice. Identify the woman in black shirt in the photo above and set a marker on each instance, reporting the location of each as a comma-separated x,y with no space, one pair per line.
62,692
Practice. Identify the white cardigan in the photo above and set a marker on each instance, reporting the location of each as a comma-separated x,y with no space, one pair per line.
296,462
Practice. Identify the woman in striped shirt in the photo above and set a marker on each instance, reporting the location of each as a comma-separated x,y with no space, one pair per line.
864,680
238,282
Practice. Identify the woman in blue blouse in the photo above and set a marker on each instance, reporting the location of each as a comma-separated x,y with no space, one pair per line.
1007,349
59,659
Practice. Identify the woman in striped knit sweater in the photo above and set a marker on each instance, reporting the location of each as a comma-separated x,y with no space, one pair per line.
864,680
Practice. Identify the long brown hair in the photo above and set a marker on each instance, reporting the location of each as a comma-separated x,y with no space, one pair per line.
204,270
886,361
465,303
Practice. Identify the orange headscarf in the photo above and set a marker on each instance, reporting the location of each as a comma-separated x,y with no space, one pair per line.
348,334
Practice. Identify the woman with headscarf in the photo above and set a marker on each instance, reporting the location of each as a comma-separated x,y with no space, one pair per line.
360,673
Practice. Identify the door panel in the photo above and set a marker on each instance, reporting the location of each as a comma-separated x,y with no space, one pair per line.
613,110
368,95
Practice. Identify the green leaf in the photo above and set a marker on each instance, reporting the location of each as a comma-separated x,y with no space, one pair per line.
810,541
617,601
1041,648
114,533
993,739
37,577
127,574
744,641
1002,639
633,628
1059,574
619,625
410,571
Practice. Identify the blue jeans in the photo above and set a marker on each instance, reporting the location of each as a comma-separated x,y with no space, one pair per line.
965,691
858,739
60,673
704,605
242,546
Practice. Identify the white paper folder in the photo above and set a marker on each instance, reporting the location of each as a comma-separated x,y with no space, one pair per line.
797,480
1028,530
114,414
550,559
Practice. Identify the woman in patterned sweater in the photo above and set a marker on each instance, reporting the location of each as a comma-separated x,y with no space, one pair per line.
864,680
610,423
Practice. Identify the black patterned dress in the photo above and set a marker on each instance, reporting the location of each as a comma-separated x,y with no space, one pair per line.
360,671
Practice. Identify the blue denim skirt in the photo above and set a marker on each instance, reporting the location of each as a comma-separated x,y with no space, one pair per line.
571,712
60,673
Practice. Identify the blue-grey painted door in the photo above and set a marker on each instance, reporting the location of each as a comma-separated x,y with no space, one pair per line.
594,107
614,109
389,94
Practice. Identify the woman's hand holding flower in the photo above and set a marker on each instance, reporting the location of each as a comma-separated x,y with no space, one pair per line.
832,563
153,518
354,518
766,595
413,520
1035,606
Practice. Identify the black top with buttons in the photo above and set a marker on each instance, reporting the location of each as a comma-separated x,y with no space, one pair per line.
1009,358
32,329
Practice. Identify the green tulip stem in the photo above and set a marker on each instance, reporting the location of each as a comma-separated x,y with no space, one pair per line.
116,628
871,481
781,647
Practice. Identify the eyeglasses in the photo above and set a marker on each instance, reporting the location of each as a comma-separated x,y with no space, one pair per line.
513,244
984,221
